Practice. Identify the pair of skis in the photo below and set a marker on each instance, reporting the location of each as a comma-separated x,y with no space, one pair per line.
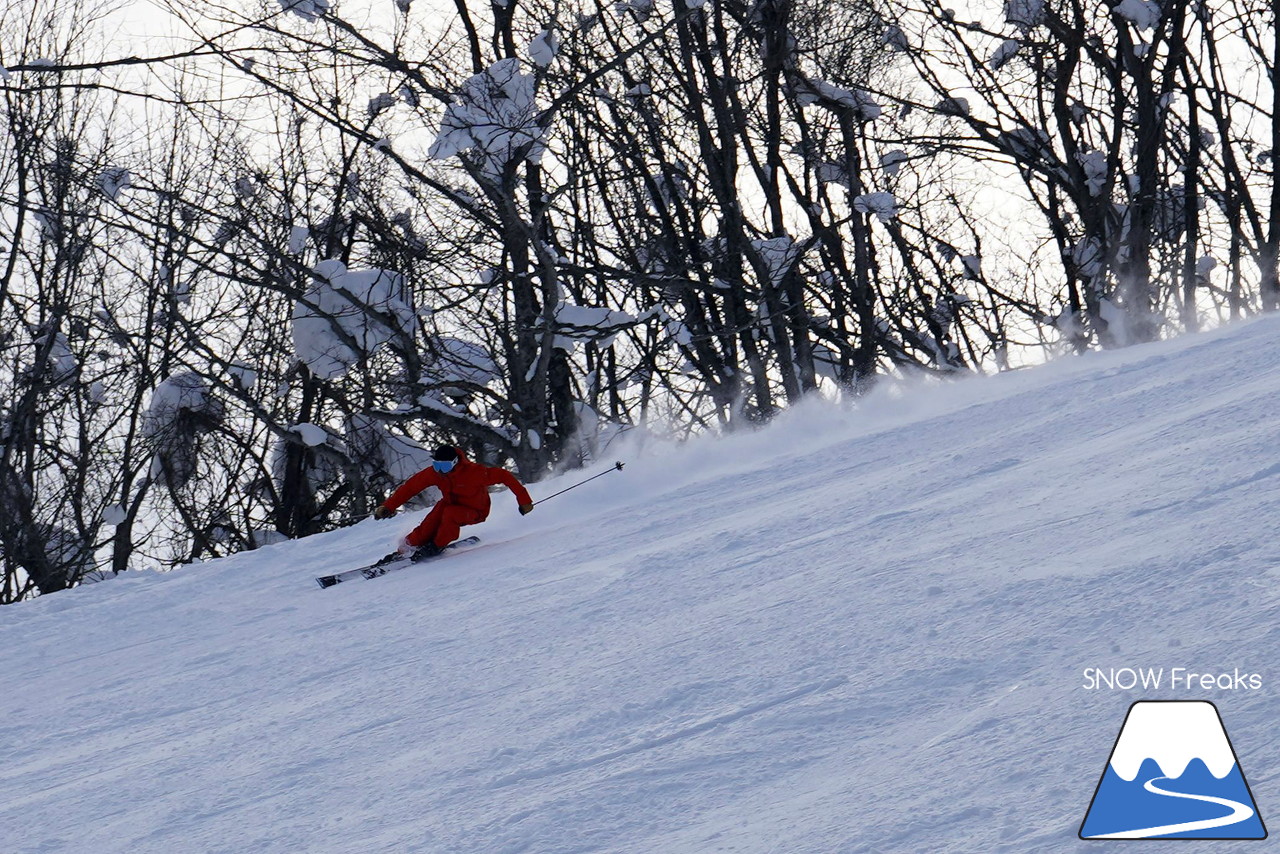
390,564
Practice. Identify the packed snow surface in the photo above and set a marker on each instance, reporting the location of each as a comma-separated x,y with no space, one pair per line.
858,630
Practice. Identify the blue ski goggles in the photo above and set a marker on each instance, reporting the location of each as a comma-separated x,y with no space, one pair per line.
444,466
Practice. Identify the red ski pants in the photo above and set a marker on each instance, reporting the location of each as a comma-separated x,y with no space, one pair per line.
443,525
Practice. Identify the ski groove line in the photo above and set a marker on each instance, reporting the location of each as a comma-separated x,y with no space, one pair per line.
649,744
1239,812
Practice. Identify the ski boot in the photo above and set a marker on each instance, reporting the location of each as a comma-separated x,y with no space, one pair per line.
426,552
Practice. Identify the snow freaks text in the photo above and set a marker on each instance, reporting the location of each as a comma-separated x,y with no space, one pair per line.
1172,678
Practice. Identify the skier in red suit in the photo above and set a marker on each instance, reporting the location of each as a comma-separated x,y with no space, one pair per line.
464,499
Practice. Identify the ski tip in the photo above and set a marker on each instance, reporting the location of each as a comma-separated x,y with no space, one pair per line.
326,581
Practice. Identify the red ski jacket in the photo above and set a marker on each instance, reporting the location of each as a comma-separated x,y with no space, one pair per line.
465,486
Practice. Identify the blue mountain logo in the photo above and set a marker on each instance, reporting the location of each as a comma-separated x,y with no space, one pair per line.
1173,774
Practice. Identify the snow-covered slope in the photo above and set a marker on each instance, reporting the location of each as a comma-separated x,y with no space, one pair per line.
852,631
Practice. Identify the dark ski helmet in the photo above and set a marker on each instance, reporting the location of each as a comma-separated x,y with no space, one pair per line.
445,453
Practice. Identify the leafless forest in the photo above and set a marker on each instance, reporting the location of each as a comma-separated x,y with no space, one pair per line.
250,268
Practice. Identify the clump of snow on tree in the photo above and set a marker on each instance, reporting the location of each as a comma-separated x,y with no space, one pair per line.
1007,50
312,435
182,409
1086,255
345,315
1024,14
381,103
891,161
322,466
822,93
544,47
409,95
779,255
114,180
831,172
298,239
574,323
1143,14
459,364
883,205
1094,164
61,365
381,455
495,118
641,9
1026,143
307,10
895,39
244,377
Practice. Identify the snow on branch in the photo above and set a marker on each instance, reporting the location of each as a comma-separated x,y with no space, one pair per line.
821,93
544,47
112,181
182,409
779,255
1024,14
496,118
1143,14
574,323
883,205
307,10
459,364
1007,50
345,315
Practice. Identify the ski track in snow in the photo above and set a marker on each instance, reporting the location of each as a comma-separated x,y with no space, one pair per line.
1239,812
854,631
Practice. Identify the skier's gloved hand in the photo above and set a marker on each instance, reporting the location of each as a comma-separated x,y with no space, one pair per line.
526,509
383,512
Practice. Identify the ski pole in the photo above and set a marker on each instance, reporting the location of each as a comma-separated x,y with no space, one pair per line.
616,467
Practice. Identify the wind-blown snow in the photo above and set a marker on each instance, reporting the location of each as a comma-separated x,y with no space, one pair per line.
856,630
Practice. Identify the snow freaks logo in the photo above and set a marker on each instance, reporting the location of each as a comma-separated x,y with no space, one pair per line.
1172,774
1177,678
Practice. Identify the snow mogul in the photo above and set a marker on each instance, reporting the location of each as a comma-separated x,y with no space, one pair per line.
464,500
